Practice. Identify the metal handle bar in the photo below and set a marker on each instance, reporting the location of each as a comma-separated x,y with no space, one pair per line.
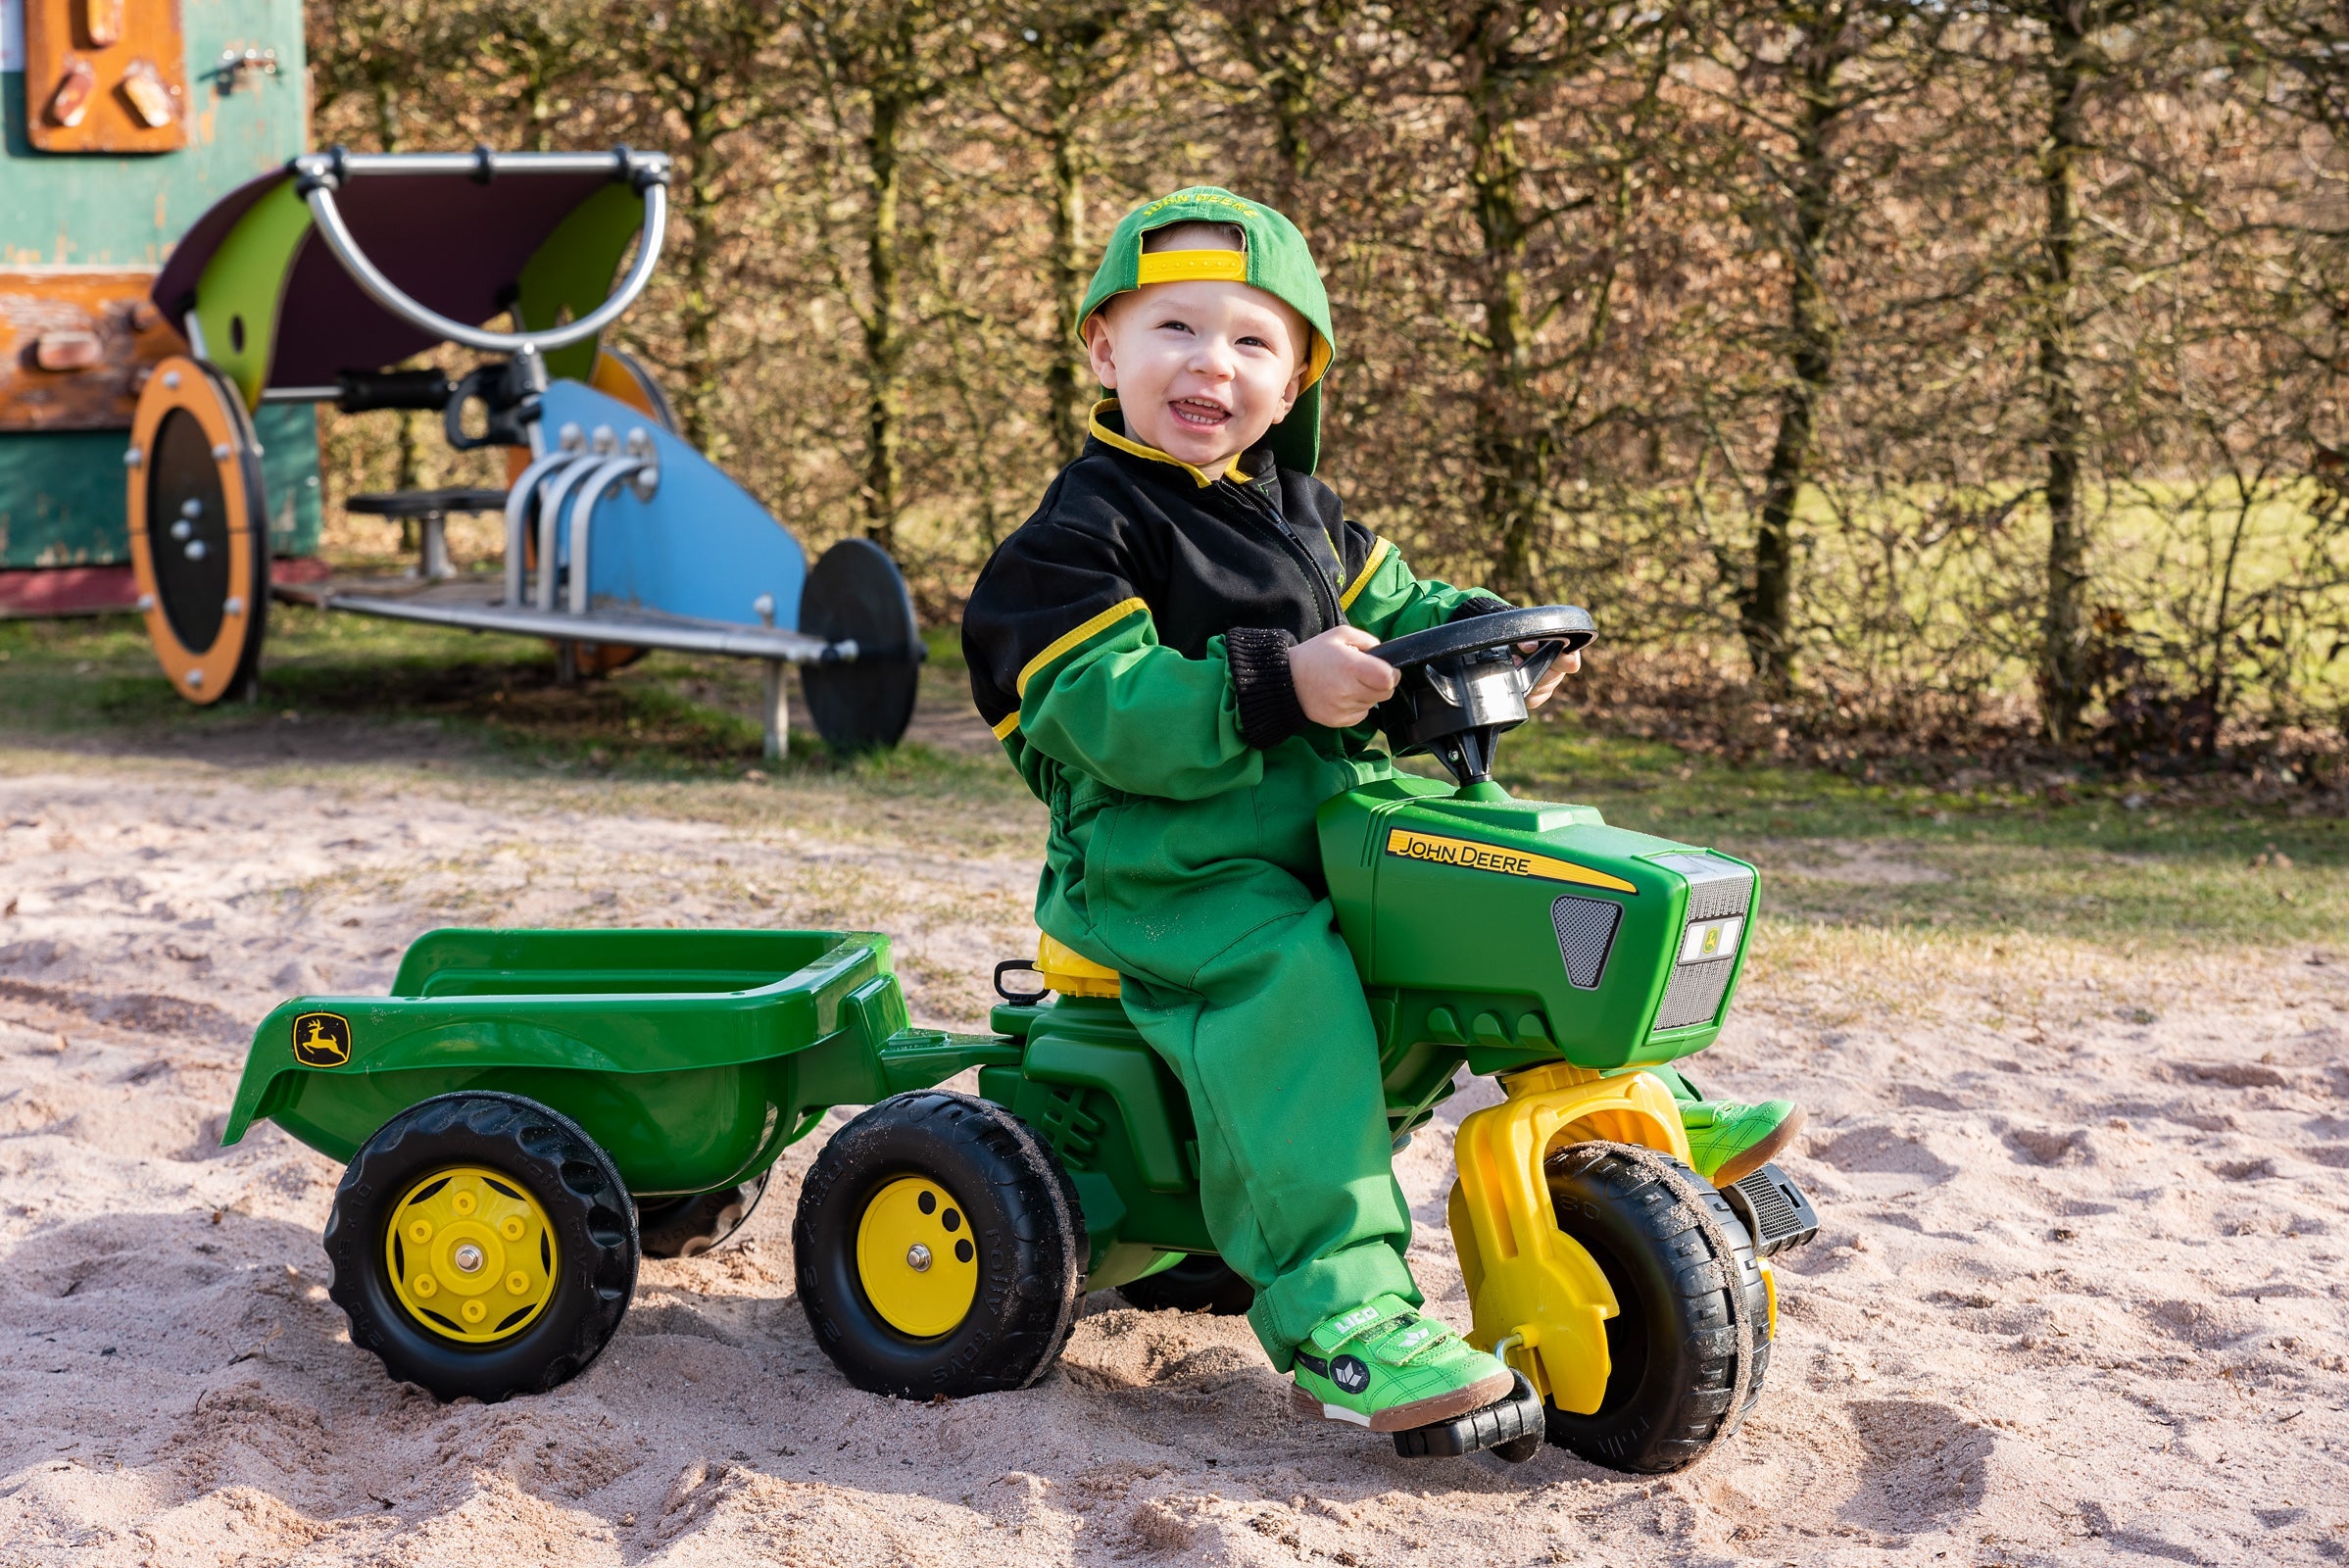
320,174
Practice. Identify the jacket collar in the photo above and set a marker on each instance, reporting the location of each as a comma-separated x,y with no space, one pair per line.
1108,426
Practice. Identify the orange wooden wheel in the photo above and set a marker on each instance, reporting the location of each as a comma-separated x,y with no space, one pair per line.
199,529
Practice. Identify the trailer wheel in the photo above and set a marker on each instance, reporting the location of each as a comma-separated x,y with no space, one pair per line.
1200,1283
482,1245
199,530
688,1227
941,1248
1691,1340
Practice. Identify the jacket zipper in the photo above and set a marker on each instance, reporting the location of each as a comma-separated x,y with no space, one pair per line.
1325,598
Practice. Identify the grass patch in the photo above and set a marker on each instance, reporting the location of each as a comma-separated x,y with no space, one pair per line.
2103,860
667,715
2094,857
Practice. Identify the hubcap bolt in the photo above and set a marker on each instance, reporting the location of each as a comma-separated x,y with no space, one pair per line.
468,1257
918,1259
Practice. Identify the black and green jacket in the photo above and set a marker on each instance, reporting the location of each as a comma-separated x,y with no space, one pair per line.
1129,641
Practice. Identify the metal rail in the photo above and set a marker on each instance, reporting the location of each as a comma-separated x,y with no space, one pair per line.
630,630
517,517
320,174
605,478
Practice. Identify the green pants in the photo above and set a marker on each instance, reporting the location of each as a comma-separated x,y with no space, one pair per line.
1236,975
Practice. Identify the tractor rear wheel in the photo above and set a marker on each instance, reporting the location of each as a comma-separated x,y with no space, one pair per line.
1200,1283
941,1250
1690,1342
482,1245
688,1227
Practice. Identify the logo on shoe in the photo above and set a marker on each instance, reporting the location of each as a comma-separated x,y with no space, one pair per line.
1349,1374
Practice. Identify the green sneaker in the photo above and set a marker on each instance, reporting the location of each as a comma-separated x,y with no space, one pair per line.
1385,1367
1729,1141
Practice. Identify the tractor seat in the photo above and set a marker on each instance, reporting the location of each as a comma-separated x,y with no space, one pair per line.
1070,973
426,502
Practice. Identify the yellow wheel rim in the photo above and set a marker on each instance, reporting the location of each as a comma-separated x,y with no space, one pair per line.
471,1254
916,1260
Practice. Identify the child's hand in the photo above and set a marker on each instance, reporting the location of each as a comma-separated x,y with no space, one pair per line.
1338,684
1562,666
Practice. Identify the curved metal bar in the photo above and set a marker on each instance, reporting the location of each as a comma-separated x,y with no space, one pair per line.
517,517
583,511
559,490
319,194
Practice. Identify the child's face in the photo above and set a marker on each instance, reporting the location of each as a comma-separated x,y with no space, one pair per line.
1202,368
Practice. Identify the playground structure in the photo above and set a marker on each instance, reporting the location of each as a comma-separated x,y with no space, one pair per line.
91,208
306,284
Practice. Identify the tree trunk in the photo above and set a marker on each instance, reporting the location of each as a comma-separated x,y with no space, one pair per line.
884,347
1512,459
1067,384
2063,655
407,472
1765,613
696,398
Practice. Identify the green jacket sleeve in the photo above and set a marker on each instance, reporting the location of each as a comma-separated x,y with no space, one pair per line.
1387,601
1066,667
1139,716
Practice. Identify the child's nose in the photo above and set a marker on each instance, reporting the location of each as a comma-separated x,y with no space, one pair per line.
1213,356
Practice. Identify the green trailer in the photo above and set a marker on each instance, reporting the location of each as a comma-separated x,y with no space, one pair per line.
92,212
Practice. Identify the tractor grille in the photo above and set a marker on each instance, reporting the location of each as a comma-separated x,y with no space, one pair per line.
1586,932
1694,993
1719,890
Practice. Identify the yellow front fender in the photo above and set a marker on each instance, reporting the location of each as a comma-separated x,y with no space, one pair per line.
1528,1281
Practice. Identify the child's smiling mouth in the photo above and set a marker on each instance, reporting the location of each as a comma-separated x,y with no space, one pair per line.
1199,413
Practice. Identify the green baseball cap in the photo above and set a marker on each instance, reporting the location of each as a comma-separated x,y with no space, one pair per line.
1275,259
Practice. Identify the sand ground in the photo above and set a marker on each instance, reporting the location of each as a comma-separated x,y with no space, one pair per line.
2080,1293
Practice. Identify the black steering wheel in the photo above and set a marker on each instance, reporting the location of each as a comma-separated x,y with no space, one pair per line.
1463,685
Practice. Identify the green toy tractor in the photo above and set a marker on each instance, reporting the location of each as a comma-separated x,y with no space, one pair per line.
528,1112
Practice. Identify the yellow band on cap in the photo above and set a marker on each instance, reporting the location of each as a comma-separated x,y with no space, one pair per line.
1181,266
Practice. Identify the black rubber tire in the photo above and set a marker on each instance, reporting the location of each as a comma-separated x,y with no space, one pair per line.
1695,1309
1022,1212
688,1227
1200,1283
573,1180
856,593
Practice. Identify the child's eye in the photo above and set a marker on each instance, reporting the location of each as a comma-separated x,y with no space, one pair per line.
1174,326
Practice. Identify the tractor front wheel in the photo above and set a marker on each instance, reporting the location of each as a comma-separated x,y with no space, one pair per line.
1691,1340
940,1248
482,1245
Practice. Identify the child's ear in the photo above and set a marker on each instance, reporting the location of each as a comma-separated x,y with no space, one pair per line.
1098,351
1291,393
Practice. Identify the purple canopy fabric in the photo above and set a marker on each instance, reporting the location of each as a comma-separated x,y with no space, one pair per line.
451,242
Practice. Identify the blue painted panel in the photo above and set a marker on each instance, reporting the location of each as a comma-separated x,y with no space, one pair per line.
701,547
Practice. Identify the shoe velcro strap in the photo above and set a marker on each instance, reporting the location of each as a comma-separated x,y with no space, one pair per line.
1408,1341
1348,1327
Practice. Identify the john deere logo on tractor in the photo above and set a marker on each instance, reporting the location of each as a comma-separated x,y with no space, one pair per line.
322,1040
1492,858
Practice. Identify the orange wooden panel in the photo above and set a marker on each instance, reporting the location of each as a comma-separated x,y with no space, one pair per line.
75,346
105,75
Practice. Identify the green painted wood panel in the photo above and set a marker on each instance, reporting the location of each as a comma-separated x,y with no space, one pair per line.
61,495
